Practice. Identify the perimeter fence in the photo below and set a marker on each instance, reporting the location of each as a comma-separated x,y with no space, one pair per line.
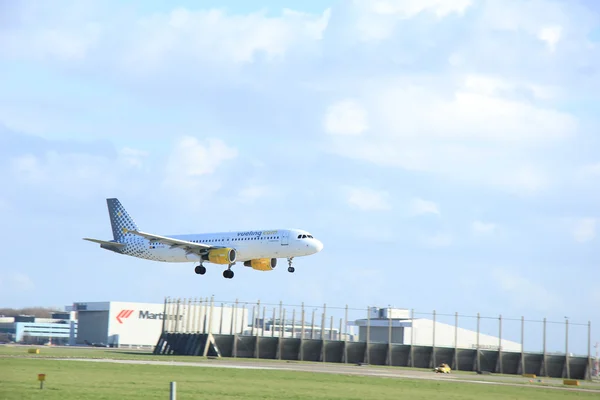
499,342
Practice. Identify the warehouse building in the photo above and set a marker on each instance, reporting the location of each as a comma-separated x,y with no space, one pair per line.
126,324
405,330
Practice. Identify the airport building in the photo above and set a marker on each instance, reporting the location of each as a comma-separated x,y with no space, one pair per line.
60,329
382,322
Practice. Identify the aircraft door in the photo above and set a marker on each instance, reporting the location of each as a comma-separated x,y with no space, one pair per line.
285,238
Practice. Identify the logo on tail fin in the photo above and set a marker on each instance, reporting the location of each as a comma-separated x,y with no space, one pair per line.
120,220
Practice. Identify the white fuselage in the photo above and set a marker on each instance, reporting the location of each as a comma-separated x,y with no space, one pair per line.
249,245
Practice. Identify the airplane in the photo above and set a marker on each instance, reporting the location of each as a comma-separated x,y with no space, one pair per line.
257,249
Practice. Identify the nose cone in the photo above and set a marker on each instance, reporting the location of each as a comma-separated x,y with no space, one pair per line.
317,245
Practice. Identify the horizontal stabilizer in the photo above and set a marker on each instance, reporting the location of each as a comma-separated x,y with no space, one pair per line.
106,243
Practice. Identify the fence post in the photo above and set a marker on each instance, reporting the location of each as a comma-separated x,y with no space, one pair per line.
389,336
281,333
433,343
522,344
412,337
253,320
212,308
280,315
478,351
302,334
273,324
312,323
367,352
235,331
177,316
545,369
323,321
589,368
173,391
331,328
233,318
188,316
221,320
294,323
164,322
456,341
567,349
196,315
346,335
303,320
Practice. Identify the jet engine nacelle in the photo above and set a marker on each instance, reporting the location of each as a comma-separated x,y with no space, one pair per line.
221,256
262,264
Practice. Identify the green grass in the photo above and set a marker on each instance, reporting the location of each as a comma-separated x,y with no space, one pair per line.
89,380
89,352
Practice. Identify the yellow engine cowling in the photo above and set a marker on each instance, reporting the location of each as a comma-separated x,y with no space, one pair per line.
222,256
262,264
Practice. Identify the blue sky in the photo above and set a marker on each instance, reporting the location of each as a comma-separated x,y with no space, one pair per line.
437,147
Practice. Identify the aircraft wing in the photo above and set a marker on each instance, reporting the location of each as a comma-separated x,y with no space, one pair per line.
184,244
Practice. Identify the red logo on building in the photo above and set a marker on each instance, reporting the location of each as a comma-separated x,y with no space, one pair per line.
124,314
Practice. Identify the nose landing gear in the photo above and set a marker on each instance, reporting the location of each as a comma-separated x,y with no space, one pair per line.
290,268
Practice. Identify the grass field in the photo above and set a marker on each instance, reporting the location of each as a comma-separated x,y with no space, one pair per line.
90,380
76,380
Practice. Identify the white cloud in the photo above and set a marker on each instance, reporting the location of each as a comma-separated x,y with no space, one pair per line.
478,132
410,8
437,240
133,157
346,117
368,199
551,35
253,193
520,290
150,42
65,173
377,19
584,229
483,228
419,206
191,159
27,167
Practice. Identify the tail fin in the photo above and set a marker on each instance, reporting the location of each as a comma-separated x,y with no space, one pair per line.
119,219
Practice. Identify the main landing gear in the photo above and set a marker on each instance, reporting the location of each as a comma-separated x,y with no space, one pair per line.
290,268
228,273
200,269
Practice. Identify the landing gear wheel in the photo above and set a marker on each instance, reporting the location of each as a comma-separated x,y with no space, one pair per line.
291,269
200,270
228,274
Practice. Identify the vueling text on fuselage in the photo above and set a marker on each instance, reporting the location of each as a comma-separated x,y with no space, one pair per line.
256,233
